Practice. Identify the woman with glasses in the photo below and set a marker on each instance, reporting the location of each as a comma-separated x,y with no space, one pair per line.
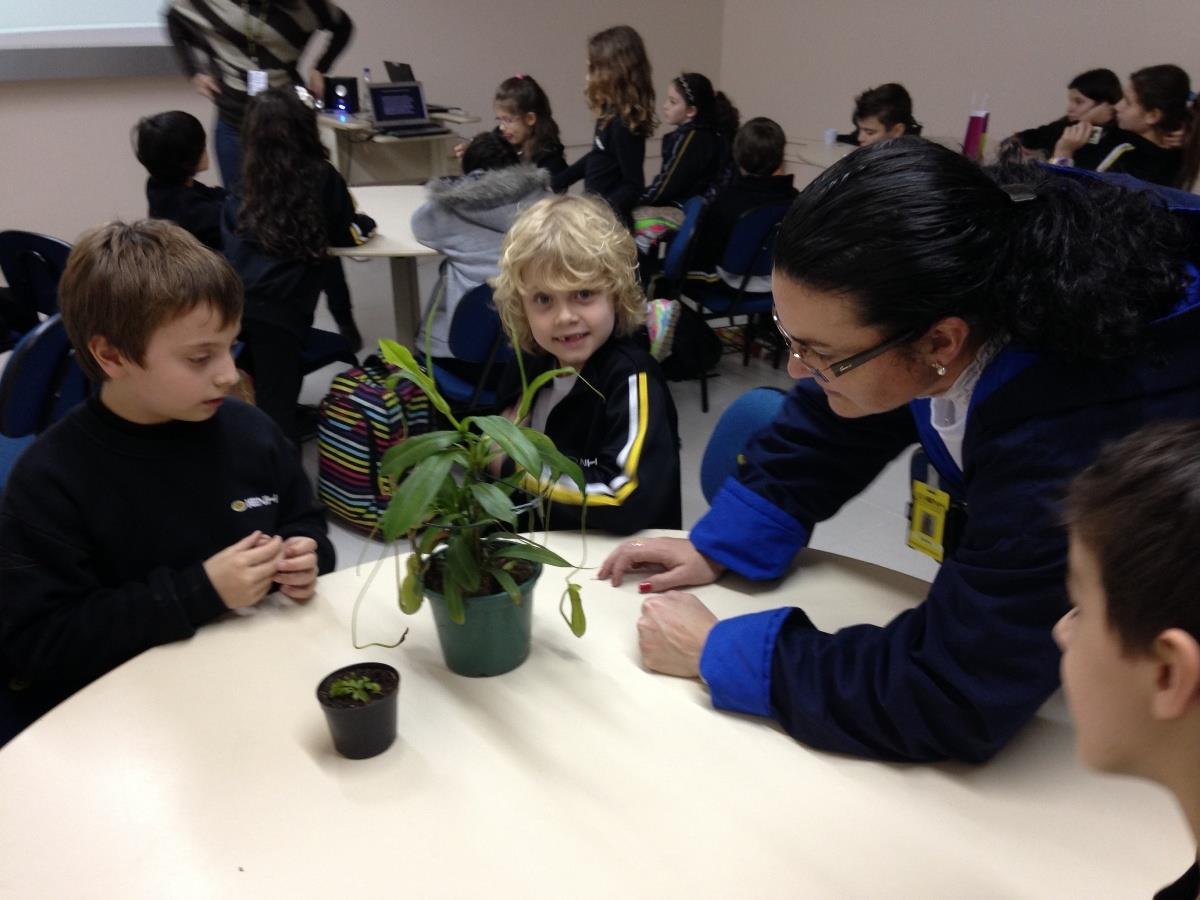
1011,323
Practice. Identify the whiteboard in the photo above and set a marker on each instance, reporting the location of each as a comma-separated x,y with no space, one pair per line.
81,23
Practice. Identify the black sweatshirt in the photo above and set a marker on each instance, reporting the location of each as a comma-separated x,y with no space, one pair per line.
105,526
612,168
693,156
195,207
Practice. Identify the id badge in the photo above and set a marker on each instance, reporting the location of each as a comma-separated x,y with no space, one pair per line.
256,82
927,520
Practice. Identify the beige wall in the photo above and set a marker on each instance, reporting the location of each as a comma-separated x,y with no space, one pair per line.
803,62
65,161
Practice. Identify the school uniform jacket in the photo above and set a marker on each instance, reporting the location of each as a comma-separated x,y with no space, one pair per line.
960,674
1044,137
693,156
743,194
613,168
1131,154
195,207
213,37
625,436
283,292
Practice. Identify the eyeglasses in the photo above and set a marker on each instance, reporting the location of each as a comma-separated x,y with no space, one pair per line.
800,351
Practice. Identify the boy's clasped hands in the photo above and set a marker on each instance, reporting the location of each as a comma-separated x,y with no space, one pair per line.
242,573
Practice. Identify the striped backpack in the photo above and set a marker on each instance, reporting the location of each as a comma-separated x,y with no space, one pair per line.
360,418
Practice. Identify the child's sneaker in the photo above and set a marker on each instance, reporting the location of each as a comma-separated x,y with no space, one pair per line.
661,316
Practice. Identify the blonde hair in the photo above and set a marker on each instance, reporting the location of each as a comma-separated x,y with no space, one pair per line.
620,81
567,243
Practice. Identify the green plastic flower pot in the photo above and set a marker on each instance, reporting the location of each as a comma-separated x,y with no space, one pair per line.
494,639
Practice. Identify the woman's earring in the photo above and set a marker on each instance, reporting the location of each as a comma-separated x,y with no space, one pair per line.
939,368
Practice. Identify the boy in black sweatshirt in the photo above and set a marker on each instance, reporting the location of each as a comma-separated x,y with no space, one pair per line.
171,145
160,503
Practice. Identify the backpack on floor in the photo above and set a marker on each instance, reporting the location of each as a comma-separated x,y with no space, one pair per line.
360,419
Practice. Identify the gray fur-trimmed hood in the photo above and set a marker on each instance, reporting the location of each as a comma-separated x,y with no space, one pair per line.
488,189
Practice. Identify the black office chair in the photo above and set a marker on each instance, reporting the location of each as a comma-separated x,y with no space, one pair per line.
748,254
41,382
32,265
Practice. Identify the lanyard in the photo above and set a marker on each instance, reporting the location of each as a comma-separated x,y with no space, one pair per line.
254,29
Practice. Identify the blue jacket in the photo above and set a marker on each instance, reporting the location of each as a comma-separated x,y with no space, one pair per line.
960,674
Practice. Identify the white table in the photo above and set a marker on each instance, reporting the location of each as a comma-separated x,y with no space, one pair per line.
364,157
392,208
204,769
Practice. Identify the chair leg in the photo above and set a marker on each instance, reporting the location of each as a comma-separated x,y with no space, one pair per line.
748,334
703,390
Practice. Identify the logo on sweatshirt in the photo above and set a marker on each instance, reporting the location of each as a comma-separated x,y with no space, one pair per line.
254,502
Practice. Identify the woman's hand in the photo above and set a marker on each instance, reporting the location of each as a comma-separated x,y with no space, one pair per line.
206,86
672,631
1073,137
683,564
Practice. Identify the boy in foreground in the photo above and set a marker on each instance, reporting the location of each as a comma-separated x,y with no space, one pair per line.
158,504
1131,642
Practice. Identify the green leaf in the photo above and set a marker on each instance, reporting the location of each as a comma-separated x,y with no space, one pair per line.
403,456
536,385
410,589
557,462
429,539
399,355
533,552
512,442
461,564
577,621
494,501
454,601
411,502
508,583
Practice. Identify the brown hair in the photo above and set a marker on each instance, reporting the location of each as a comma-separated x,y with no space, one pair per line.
567,243
125,281
620,83
1137,508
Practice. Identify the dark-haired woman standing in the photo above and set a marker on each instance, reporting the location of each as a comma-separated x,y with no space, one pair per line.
1010,322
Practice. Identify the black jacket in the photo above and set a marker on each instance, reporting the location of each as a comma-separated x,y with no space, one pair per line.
1044,137
744,194
625,438
105,525
612,168
1131,154
283,292
195,207
693,156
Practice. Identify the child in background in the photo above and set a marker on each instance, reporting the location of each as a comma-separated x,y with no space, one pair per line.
1091,96
173,148
758,152
1153,121
883,112
159,503
1131,641
523,118
696,155
294,206
568,293
620,93
465,220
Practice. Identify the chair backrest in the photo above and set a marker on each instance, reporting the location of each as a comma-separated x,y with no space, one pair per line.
40,382
32,265
747,415
751,243
476,335
673,267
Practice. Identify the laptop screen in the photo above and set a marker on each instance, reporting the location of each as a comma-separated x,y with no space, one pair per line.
398,103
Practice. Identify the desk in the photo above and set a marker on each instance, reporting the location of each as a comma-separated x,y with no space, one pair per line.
392,207
204,769
363,157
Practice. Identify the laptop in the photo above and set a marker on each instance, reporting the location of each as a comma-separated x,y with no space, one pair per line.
399,109
398,71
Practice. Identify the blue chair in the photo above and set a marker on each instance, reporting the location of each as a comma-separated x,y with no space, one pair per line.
476,336
41,382
674,265
32,265
748,254
747,415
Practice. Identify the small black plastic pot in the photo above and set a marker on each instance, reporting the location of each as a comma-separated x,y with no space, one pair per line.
361,730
